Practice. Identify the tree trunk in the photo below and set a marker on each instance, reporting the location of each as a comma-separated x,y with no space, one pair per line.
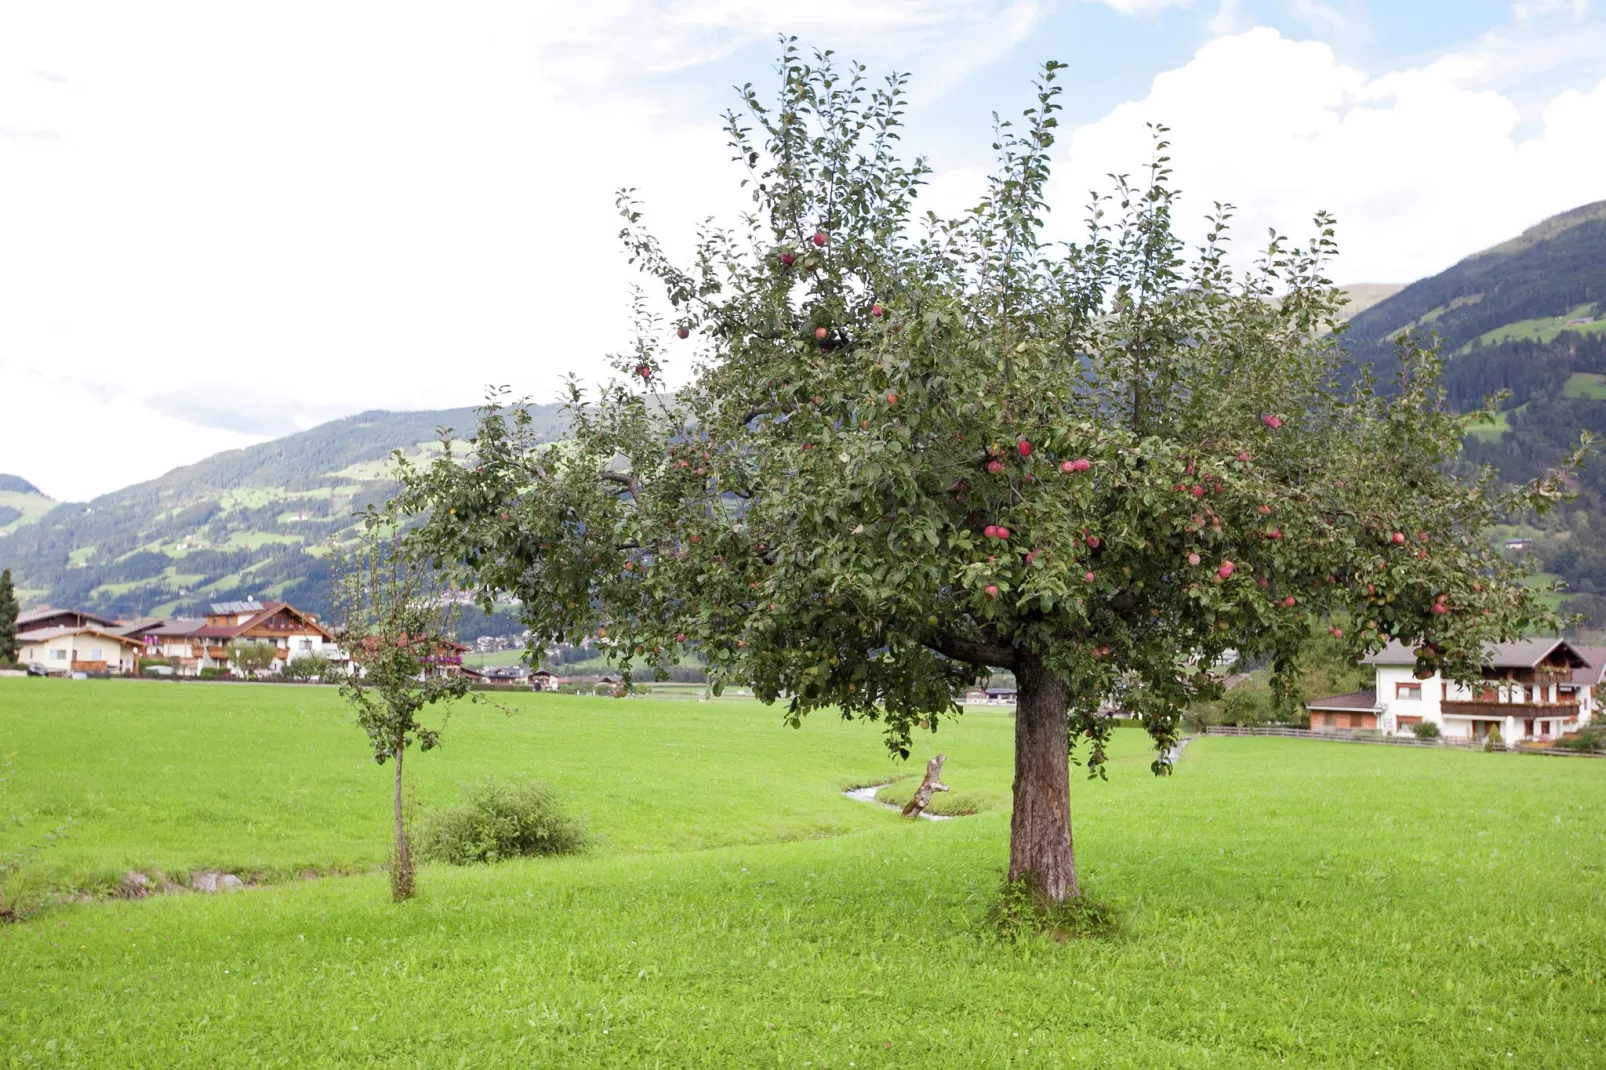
922,796
401,877
1040,828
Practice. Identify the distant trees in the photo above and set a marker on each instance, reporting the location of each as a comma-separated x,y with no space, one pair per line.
250,658
8,619
394,625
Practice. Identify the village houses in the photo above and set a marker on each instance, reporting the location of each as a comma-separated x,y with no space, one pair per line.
1532,689
65,641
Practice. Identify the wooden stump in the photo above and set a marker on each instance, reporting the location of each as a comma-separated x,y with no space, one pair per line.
922,797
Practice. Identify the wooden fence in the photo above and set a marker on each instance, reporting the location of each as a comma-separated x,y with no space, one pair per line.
1342,736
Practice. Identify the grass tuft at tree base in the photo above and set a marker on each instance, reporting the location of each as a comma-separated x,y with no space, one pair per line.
1022,910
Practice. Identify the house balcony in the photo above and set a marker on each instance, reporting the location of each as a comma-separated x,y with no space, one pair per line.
1455,708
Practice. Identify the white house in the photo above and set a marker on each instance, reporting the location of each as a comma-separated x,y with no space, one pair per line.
79,648
1532,689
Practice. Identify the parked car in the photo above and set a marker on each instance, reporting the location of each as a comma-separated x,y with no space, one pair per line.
36,669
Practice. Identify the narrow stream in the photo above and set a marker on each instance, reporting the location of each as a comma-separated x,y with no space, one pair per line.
868,795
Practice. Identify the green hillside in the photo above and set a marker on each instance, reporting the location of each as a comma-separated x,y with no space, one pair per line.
244,523
1527,317
21,503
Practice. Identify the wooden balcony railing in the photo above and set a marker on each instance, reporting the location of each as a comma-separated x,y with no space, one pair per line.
1457,708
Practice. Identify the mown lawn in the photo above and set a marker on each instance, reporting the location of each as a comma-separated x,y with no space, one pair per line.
1282,902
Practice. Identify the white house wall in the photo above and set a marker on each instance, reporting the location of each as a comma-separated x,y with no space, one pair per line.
1429,707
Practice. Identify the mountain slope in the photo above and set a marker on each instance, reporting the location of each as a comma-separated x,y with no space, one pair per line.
244,523
1548,281
1527,317
20,503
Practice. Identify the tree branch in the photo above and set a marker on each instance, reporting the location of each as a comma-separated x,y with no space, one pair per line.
982,655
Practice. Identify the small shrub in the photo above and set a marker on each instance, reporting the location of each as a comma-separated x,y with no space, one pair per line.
1426,730
307,667
211,673
502,820
1493,740
1586,740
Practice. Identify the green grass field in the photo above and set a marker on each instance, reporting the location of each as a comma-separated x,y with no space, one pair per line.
1585,385
1542,329
1281,902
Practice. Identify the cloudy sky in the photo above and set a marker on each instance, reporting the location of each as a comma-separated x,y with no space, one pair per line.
221,223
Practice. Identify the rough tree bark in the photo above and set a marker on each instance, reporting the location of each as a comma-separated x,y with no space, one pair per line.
1040,829
922,796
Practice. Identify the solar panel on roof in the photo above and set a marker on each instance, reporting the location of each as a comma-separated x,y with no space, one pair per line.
225,608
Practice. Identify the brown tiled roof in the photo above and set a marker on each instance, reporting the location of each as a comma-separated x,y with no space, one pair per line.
1354,700
46,612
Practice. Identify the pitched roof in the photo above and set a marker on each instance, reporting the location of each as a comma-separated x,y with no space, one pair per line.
46,612
1521,654
1596,668
44,635
164,627
1352,700
262,613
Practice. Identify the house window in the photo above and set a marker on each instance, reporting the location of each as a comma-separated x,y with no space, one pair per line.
1412,692
58,655
1528,693
94,654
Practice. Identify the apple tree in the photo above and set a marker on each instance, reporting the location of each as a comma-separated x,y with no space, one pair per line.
911,449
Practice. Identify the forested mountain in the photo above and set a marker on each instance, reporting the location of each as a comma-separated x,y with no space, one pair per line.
240,524
1527,317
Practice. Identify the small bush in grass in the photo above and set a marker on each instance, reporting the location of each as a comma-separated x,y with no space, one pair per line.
1493,740
1586,740
502,820
1426,730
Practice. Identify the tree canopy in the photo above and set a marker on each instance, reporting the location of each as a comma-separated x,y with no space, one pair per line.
912,448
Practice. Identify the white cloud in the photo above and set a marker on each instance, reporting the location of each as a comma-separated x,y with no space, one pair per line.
1318,13
1141,7
301,209
1421,166
1539,8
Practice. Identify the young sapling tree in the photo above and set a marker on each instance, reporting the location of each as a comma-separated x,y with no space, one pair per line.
394,621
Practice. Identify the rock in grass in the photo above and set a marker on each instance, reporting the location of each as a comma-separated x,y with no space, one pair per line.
214,881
